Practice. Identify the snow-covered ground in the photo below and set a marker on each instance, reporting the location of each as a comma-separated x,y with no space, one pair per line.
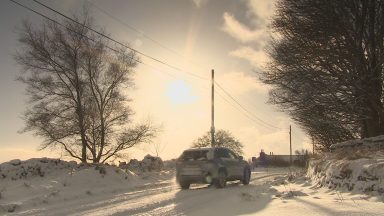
54,187
37,184
357,171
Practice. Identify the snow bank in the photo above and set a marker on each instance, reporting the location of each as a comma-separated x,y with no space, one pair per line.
350,169
372,143
16,169
148,164
38,182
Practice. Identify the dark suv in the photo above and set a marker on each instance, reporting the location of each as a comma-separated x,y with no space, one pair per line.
211,166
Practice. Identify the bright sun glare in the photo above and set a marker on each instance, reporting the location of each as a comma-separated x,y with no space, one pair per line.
179,92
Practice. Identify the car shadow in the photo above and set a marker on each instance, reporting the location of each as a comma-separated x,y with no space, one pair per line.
235,199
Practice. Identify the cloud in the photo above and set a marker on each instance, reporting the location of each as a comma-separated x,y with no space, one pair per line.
199,3
259,16
239,83
260,11
256,58
238,30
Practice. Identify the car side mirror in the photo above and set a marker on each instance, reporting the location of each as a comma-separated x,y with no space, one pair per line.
240,157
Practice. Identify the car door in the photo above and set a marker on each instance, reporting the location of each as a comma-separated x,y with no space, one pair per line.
229,160
237,165
225,160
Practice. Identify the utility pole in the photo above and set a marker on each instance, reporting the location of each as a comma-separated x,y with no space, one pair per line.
213,111
290,145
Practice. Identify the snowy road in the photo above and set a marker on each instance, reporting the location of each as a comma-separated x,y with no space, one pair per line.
264,196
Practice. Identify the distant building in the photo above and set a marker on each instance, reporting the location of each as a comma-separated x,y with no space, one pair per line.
285,158
277,160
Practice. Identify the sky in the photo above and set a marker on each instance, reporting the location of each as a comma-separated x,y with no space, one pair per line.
194,36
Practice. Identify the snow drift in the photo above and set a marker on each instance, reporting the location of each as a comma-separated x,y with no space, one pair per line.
356,166
36,182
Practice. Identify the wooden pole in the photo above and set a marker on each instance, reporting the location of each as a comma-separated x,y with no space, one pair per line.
290,145
213,110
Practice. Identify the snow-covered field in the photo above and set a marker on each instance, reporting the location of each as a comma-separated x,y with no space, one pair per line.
54,187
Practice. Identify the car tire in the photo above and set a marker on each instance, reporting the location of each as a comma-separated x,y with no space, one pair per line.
184,185
246,176
221,180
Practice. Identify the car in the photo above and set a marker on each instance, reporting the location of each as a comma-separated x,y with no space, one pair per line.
214,166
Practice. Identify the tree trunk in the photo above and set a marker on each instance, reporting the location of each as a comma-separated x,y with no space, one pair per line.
374,78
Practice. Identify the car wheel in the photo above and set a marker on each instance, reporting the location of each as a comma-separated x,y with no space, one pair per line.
221,180
246,176
184,185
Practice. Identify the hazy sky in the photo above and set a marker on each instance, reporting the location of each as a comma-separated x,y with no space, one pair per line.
228,36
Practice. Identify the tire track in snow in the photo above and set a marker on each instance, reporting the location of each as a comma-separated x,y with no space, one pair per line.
167,206
153,199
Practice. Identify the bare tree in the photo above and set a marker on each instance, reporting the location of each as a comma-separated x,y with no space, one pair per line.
223,138
327,66
76,85
157,148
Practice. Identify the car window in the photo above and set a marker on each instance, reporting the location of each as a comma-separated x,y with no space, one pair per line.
194,155
223,153
232,155
220,153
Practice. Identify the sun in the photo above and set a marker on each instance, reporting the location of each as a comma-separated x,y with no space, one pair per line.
179,92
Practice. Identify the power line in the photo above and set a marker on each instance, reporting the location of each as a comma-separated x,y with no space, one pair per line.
119,43
241,111
60,24
248,116
247,113
131,27
164,47
246,110
161,45
125,24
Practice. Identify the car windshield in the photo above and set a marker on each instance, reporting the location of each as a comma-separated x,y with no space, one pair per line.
194,155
